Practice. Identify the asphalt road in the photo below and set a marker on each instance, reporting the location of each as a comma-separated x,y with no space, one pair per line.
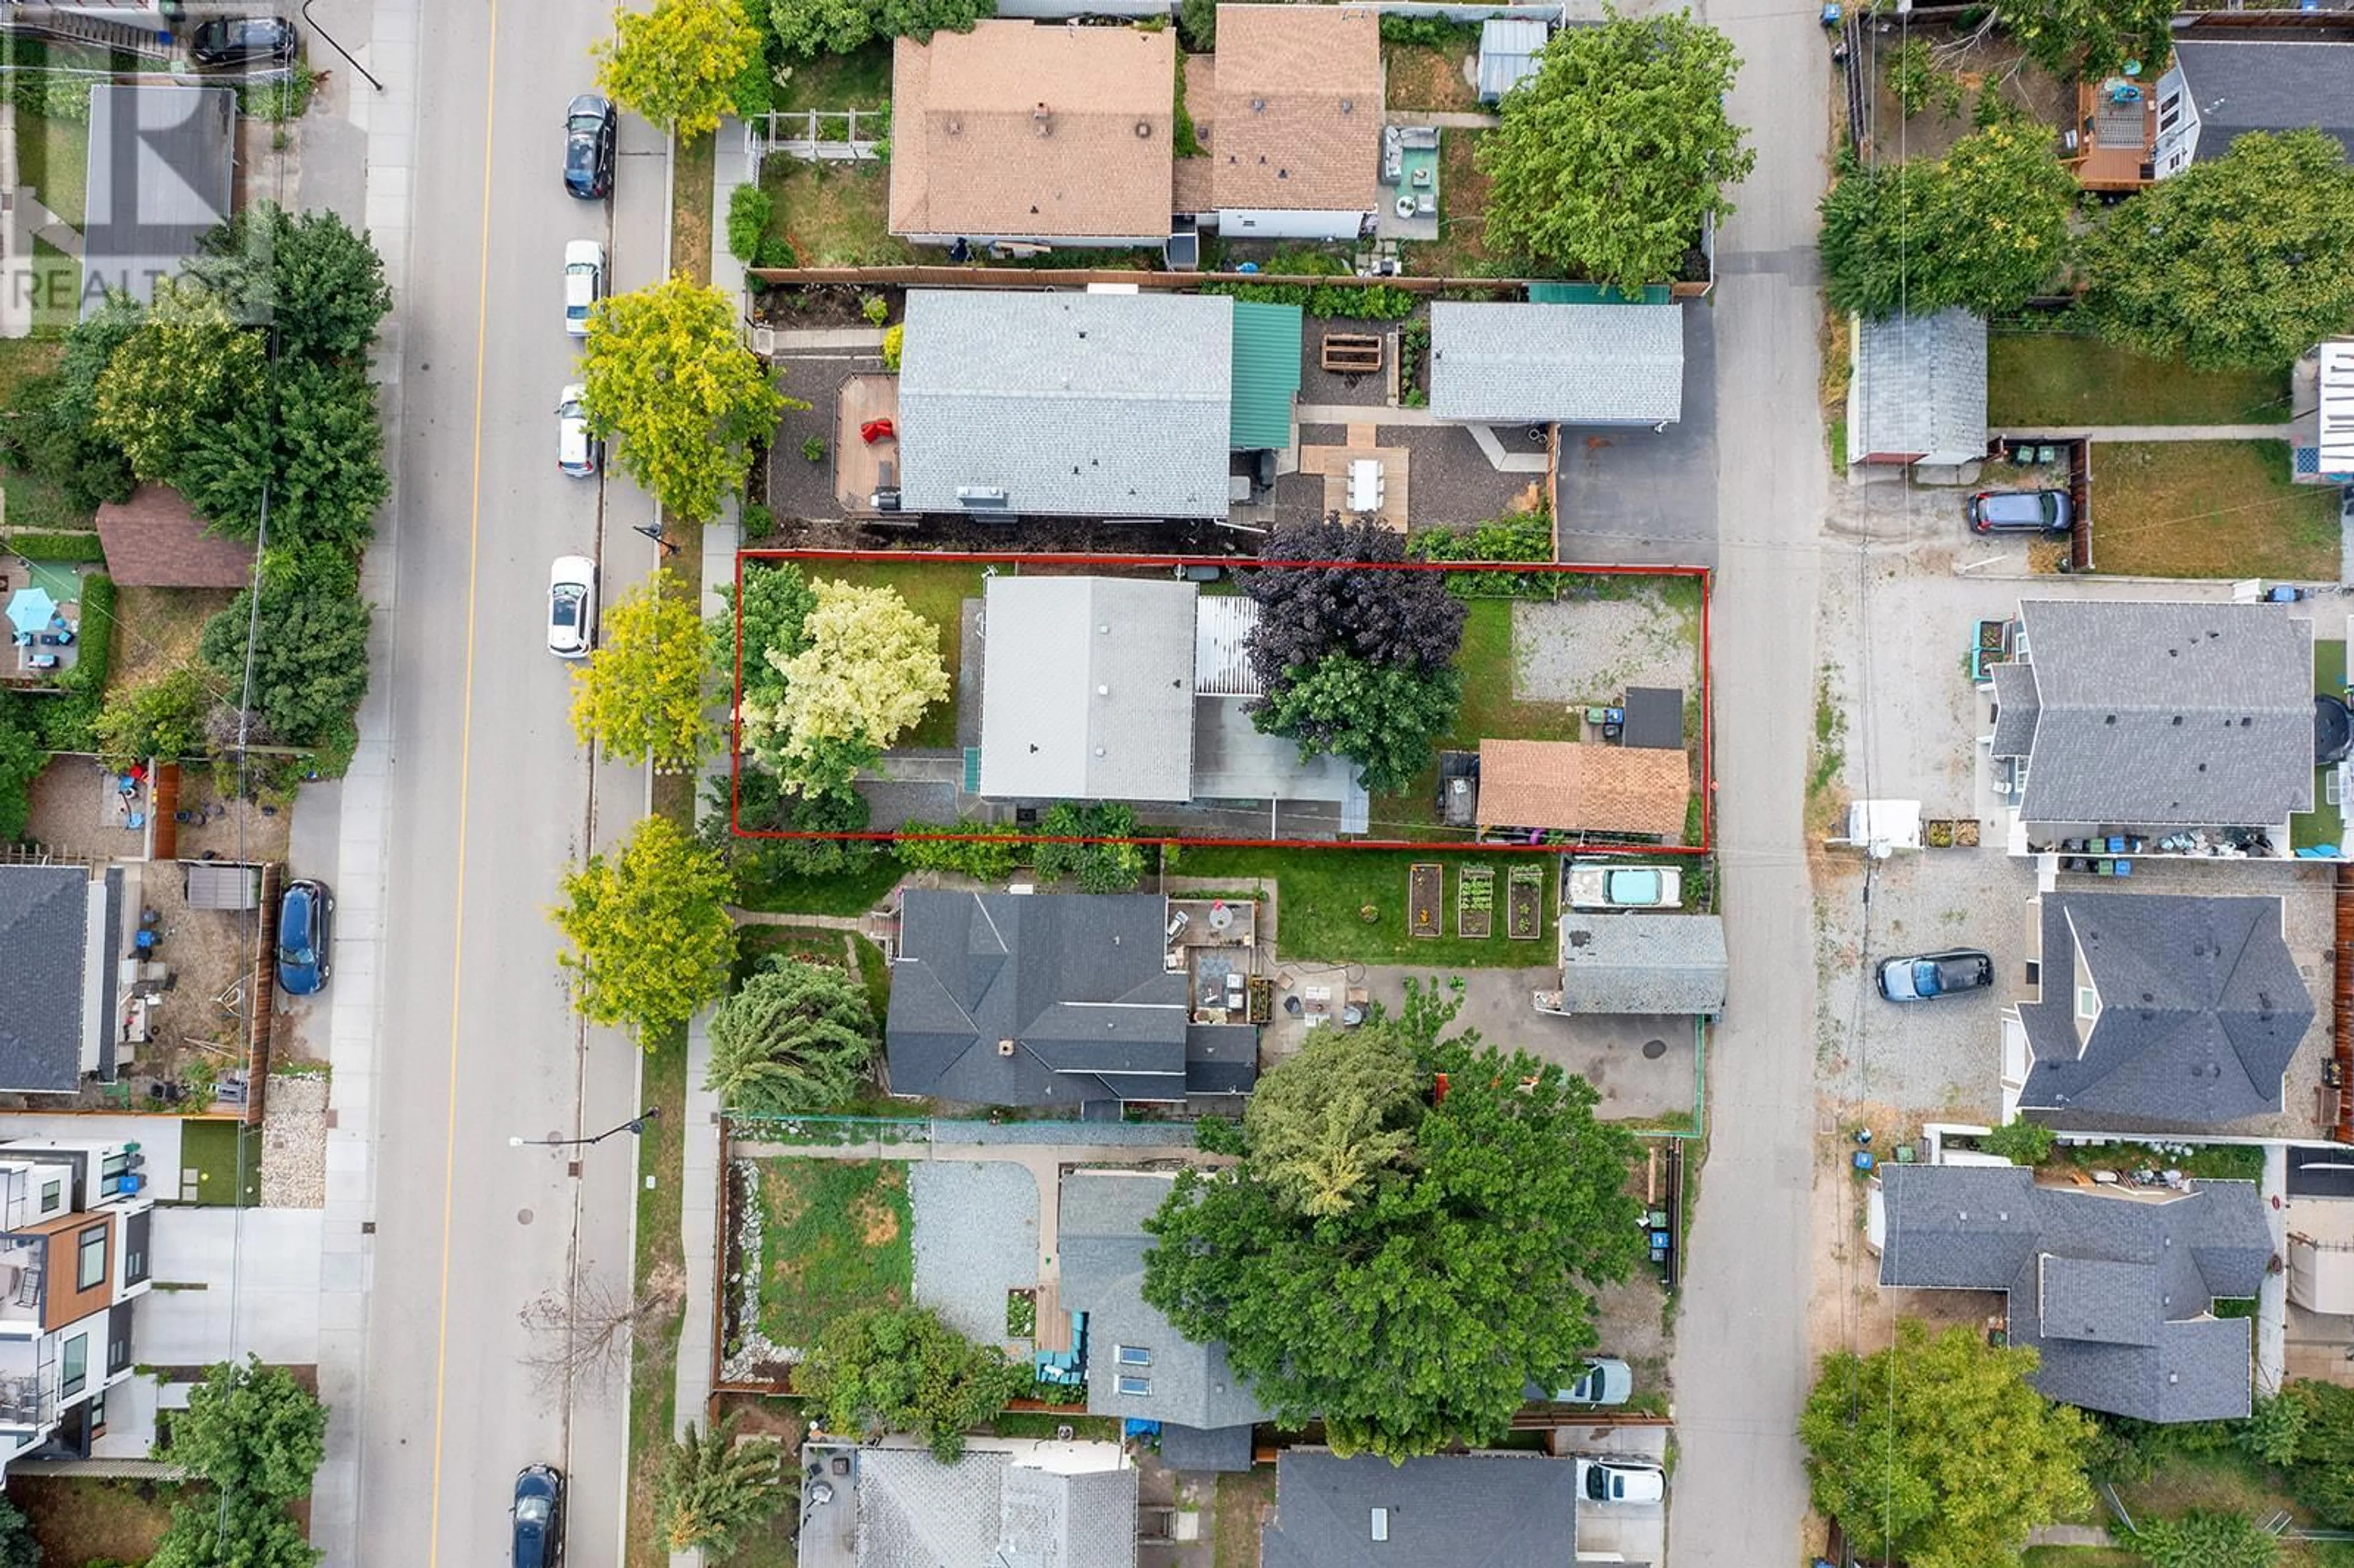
1742,1366
491,800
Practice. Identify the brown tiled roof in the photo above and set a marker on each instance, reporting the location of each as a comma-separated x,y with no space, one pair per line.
1579,785
1284,138
1018,129
153,540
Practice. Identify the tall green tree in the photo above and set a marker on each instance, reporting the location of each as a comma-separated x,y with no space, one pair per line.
650,933
776,608
310,657
21,761
2245,261
1450,1273
311,439
251,1428
869,666
1341,1113
678,63
187,367
668,375
808,28
901,1369
2090,38
1609,160
51,430
1385,718
1938,1452
1983,229
711,1489
797,1037
160,717
308,278
644,693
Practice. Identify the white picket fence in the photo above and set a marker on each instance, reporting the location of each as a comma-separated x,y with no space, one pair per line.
819,135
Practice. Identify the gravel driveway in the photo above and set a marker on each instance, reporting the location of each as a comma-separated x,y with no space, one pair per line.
1583,650
976,1238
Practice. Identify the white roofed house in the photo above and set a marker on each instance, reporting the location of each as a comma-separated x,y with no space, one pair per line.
1556,364
1065,405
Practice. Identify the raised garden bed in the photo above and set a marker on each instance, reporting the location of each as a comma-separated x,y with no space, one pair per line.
1021,1314
1475,901
1425,890
1525,910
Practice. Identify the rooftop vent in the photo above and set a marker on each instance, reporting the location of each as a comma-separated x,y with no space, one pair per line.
954,127
1005,1047
1042,121
1143,130
1258,106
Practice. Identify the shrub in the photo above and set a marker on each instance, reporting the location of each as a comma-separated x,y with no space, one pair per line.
1909,73
2203,1540
78,549
813,449
748,210
961,854
875,309
895,342
757,521
1430,32
2021,1141
1096,868
1197,25
775,250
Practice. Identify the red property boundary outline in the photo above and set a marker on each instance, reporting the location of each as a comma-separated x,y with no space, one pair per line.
1703,575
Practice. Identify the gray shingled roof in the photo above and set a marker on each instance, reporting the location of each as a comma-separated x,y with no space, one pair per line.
45,934
1921,388
1455,1510
1101,1223
1227,1450
2165,715
1621,963
1074,982
2242,85
986,1512
2114,1290
159,174
2200,1008
1087,689
1070,404
2015,709
1578,365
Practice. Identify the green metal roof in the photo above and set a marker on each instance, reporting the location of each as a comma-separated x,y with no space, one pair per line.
1266,376
1596,294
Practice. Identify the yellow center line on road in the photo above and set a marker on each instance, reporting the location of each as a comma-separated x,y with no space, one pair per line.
465,773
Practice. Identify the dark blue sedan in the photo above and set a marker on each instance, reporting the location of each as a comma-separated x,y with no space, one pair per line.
589,137
305,931
539,1516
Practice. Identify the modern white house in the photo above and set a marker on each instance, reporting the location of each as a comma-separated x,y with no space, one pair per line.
2217,90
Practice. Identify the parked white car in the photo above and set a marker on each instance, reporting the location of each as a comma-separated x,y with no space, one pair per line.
578,453
584,284
1608,1482
571,607
1605,1380
1605,885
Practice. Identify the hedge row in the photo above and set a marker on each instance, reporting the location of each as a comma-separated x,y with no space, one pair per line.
79,549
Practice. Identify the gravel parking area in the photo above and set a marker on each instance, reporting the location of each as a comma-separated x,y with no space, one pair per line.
976,1238
294,1142
1581,651
1453,479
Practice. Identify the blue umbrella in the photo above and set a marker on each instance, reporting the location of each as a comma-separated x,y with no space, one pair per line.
32,610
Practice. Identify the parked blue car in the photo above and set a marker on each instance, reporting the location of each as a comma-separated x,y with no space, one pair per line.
1932,975
305,932
538,1514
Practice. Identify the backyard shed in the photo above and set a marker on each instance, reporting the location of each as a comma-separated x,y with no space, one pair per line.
1619,963
1655,718
1576,786
1572,364
1919,390
1509,51
155,540
222,885
161,165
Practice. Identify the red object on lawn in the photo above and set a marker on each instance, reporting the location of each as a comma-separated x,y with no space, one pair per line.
874,430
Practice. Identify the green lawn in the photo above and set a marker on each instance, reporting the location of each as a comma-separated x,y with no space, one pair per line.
1042,1423
937,591
859,79
837,1239
53,159
837,215
850,894
2051,378
2209,509
2082,1557
874,969
2222,1480
211,1149
1319,894
2326,823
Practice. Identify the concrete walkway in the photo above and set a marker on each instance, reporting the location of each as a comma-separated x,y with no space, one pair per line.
2070,1535
1458,119
1381,415
731,168
2151,432
816,922
798,340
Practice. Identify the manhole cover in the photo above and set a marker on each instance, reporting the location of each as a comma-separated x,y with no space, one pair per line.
1654,1049
523,1216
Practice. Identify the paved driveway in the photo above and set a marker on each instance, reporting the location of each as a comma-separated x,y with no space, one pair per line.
1642,497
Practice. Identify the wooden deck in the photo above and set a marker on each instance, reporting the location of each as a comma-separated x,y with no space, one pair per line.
857,467
2113,152
1054,1327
